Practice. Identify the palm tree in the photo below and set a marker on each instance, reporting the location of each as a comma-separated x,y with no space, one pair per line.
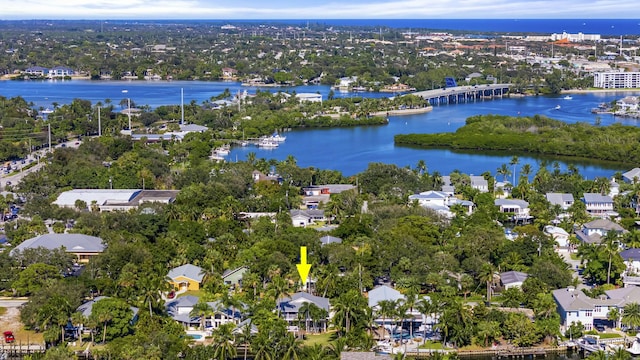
292,347
278,288
201,310
514,161
487,276
385,309
525,171
598,355
631,315
614,316
620,353
245,338
504,171
410,301
610,246
225,348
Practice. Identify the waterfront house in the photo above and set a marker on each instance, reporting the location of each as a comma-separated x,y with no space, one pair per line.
314,195
229,73
60,71
599,205
291,306
186,277
575,306
518,209
37,71
631,274
502,189
87,308
632,176
83,247
593,231
513,279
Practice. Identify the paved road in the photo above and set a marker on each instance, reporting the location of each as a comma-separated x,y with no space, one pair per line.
8,303
15,178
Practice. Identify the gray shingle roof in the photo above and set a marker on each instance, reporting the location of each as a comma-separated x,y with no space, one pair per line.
383,292
630,254
511,277
632,174
603,224
293,303
328,239
189,271
559,198
73,243
597,198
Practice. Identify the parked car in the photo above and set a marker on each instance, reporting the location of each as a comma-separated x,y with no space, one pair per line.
8,337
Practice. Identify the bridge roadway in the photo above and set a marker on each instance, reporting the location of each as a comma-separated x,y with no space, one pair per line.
459,94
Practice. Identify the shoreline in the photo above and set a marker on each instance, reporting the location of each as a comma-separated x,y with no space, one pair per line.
595,91
397,112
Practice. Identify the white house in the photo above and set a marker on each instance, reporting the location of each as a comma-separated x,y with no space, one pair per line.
513,279
503,189
479,183
558,234
599,205
519,208
563,200
309,97
593,231
304,218
441,202
291,306
631,176
180,309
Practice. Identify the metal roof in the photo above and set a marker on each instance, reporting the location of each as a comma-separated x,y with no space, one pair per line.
73,243
189,271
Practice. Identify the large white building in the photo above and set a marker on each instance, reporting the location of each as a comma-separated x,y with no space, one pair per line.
579,37
616,80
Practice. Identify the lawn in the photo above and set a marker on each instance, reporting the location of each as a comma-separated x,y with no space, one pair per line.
432,345
322,339
609,335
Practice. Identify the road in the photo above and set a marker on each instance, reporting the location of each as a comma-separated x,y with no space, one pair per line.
11,302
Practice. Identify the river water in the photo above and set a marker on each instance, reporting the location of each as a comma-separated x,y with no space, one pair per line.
349,150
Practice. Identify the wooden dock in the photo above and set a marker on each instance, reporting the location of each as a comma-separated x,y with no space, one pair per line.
499,353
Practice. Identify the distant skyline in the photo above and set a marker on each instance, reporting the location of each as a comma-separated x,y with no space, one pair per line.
316,9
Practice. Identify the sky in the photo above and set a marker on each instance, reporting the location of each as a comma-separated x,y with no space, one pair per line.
317,9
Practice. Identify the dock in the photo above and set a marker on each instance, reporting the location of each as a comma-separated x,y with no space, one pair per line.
514,352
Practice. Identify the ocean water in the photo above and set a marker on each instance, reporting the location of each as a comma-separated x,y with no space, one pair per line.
607,27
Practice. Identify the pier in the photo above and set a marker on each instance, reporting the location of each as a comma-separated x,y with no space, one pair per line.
462,94
514,352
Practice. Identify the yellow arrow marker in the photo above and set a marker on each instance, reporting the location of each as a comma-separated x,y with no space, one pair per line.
303,267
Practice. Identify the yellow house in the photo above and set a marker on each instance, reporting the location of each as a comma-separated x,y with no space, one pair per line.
186,277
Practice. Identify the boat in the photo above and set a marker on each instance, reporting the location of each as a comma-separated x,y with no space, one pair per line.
568,97
557,107
634,349
222,151
277,138
267,144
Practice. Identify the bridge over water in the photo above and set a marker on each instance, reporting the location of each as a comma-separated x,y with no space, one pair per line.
460,94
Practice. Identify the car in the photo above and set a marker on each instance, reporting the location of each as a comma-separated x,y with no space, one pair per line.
77,143
8,337
8,183
63,145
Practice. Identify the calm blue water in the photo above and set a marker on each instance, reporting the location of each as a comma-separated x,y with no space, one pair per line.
348,150
587,26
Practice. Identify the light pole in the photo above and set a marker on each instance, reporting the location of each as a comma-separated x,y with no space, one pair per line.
128,109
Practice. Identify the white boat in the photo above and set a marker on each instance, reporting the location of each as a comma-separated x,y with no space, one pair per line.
634,349
222,151
267,144
557,107
568,97
277,138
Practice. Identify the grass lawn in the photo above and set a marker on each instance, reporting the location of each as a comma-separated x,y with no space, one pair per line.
574,256
197,293
432,345
322,339
609,336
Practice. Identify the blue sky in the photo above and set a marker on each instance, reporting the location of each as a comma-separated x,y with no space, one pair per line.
316,9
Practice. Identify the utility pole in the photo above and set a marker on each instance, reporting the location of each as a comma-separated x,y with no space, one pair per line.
99,125
49,131
182,106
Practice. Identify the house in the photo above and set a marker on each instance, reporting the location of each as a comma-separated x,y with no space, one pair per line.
503,189
575,306
259,176
61,71
315,195
593,231
180,310
37,71
290,306
114,199
632,176
233,277
563,200
328,239
441,202
86,308
229,73
186,277
599,205
518,208
614,188
383,292
512,279
304,218
631,258
479,183
84,247
558,234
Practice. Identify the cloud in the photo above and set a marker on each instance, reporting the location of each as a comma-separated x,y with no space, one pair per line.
315,9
